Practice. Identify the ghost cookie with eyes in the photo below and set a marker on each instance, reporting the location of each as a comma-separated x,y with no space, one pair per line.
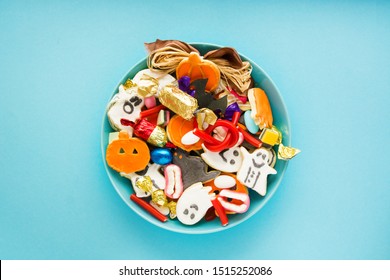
255,169
125,105
193,204
228,160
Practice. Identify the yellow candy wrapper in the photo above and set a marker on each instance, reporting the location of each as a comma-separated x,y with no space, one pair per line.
145,183
205,117
159,197
178,101
287,153
147,86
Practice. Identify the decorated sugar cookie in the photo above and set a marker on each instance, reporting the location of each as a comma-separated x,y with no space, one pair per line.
127,154
193,204
254,170
193,168
228,160
197,68
126,104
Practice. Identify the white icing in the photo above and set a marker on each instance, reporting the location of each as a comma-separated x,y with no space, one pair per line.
254,170
229,160
126,104
193,204
224,182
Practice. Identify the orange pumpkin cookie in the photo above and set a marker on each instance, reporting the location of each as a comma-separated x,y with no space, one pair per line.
177,128
127,154
198,68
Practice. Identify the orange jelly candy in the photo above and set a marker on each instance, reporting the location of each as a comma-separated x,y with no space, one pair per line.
127,154
198,68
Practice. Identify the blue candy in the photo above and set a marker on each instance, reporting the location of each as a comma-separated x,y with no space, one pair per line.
250,123
161,156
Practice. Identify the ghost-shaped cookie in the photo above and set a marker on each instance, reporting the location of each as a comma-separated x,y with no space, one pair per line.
126,104
151,170
255,169
228,160
193,204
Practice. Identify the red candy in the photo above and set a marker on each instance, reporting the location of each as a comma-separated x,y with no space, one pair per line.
230,140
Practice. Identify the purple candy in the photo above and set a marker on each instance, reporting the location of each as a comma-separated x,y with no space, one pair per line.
230,111
184,85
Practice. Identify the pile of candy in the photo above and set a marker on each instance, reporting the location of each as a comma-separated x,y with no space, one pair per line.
192,134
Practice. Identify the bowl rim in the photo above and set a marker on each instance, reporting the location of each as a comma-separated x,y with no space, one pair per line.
189,229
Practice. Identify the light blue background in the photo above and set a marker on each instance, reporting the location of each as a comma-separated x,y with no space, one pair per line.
60,61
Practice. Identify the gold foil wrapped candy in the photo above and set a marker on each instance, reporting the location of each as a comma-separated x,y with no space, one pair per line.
205,116
128,84
286,153
178,101
172,208
145,183
159,197
147,86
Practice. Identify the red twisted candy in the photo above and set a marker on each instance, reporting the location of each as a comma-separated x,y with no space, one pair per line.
230,140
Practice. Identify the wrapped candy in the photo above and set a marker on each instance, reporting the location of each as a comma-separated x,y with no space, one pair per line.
148,86
178,101
205,117
153,134
287,153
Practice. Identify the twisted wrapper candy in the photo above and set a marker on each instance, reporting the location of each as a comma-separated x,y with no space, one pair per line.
165,55
145,183
287,153
178,101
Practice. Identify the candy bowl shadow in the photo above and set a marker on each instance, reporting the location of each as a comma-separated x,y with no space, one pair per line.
281,120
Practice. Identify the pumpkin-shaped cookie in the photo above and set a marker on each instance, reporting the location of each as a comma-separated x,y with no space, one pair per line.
198,68
177,128
127,154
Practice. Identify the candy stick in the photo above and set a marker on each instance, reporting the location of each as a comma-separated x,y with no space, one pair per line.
250,139
151,111
205,137
148,208
235,118
220,211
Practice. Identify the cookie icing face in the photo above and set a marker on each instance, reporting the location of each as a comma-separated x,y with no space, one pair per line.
229,160
255,169
126,104
193,204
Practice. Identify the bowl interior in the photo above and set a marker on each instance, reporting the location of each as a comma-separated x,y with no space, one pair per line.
123,185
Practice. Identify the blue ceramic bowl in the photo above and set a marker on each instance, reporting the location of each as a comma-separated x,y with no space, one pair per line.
281,120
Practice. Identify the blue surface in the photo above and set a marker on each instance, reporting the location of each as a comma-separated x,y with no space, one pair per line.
60,61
